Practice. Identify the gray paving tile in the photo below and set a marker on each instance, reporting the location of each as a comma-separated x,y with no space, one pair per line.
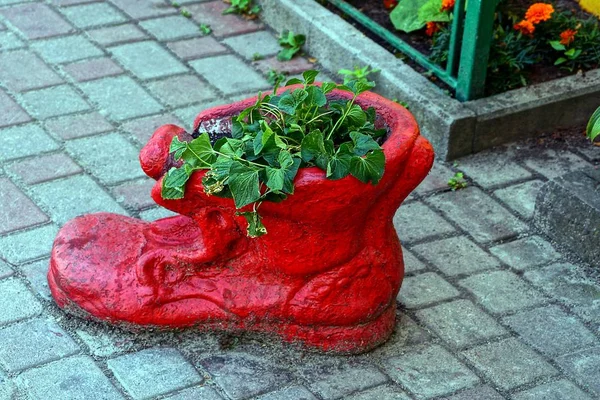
411,263
416,221
156,213
34,342
387,392
436,180
28,245
153,372
521,198
526,253
338,380
188,114
12,113
36,273
110,158
493,168
261,42
190,49
17,211
36,20
74,196
478,214
93,15
121,97
143,128
75,378
181,90
64,101
502,291
242,376
147,60
196,393
7,389
559,390
135,194
10,41
552,163
222,25
171,27
424,289
483,392
104,342
5,270
16,302
91,69
551,331
12,141
229,74
137,9
509,363
289,393
66,49
406,334
74,126
56,165
429,371
584,368
460,323
22,70
116,34
456,256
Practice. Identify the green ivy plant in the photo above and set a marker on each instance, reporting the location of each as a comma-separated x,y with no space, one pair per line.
358,73
592,130
291,44
271,140
243,7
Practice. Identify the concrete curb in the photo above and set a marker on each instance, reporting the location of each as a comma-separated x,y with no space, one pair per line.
455,129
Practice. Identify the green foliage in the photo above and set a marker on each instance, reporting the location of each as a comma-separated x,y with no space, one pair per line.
205,29
275,78
291,44
271,140
457,182
405,16
243,7
257,56
175,4
185,12
592,130
357,74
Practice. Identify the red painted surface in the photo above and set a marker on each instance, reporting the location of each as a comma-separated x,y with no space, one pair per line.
326,274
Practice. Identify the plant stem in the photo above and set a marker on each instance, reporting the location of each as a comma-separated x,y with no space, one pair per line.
342,118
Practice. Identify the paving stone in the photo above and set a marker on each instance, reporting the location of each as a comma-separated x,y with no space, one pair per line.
64,100
584,368
478,214
74,196
222,25
553,163
66,49
526,253
502,291
75,378
551,331
74,126
116,34
156,213
386,392
521,198
509,363
558,390
411,264
436,180
181,90
7,389
170,28
456,256
261,42
416,221
479,393
336,381
93,15
135,194
188,114
55,165
36,273
106,343
406,334
22,70
493,168
423,289
416,371
10,41
143,128
137,9
13,138
289,393
5,270
92,69
121,97
296,65
153,372
34,342
229,74
28,245
460,323
197,48
16,210
196,393
36,20
70,2
242,376
569,284
110,158
147,60
16,303
12,113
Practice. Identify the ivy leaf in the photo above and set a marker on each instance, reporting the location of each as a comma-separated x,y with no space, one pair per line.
356,116
171,193
557,45
199,151
290,174
176,177
363,143
177,147
593,127
432,12
357,86
289,102
315,96
244,184
338,166
405,16
293,81
275,178
287,54
255,226
237,129
309,76
328,87
368,168
220,168
233,147
312,146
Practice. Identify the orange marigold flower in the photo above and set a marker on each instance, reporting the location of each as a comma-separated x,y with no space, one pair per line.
525,27
539,12
448,5
431,28
567,36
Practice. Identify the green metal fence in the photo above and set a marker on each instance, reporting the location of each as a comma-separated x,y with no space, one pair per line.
470,40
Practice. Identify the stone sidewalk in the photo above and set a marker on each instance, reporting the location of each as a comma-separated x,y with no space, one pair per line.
489,308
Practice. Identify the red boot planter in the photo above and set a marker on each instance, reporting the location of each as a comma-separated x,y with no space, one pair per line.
326,274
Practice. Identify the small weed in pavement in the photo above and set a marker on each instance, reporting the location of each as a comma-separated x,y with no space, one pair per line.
246,8
205,29
457,182
291,44
257,56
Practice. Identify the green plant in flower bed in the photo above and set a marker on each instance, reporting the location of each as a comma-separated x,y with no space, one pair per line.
271,140
592,130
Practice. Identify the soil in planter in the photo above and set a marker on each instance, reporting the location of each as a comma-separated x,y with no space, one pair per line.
375,10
